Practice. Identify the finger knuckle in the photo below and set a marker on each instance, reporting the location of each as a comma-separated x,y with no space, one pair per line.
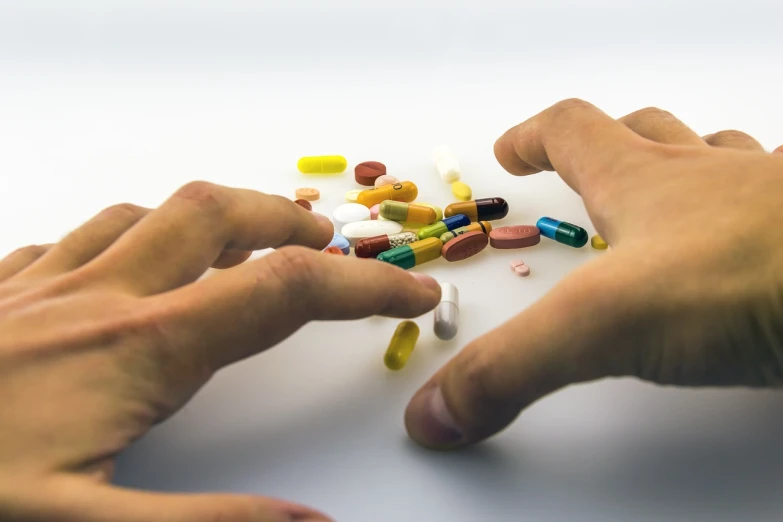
207,196
127,212
30,251
571,104
730,136
649,113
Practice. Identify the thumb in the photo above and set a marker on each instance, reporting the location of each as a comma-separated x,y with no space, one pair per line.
77,499
576,333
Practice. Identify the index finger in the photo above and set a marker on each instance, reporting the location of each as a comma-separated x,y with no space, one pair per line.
572,137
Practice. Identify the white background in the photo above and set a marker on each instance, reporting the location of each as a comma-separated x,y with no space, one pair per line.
104,102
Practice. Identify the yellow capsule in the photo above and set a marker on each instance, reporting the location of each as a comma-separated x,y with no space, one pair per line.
401,211
404,191
461,191
322,164
481,226
598,243
401,345
413,254
438,210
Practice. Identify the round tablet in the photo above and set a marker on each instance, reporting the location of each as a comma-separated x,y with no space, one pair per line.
352,195
309,194
464,246
367,172
349,213
304,204
517,236
386,180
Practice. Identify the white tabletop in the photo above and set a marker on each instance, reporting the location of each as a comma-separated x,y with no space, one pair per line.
126,101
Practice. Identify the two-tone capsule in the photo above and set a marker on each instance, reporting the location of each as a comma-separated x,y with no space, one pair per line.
447,312
408,256
404,191
441,227
563,232
410,212
401,345
487,209
373,246
322,164
481,226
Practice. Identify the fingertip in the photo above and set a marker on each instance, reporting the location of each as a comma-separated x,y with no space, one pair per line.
429,421
326,225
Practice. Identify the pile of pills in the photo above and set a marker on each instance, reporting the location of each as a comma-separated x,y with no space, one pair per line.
386,223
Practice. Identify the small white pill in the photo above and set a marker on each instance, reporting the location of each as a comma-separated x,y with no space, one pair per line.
362,229
447,312
447,164
349,213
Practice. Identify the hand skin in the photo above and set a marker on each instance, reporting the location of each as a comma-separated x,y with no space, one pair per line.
691,293
110,331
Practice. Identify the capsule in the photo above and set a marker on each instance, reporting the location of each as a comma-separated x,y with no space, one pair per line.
486,209
400,211
408,256
322,164
563,232
441,227
598,243
481,226
404,191
401,345
447,312
372,246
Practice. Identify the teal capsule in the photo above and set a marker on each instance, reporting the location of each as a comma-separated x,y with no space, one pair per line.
441,227
408,256
563,232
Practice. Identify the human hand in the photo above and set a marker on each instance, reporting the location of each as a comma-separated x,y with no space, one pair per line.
691,293
108,332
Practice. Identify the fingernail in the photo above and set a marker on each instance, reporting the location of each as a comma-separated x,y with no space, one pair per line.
425,280
430,422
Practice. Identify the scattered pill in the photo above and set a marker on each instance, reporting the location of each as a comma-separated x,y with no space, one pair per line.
373,246
404,191
520,268
349,213
447,312
465,246
517,236
334,250
401,345
438,210
340,242
410,212
563,232
408,256
461,191
304,204
367,172
481,226
487,209
353,232
322,164
310,194
441,227
598,243
352,195
382,181
375,211
447,164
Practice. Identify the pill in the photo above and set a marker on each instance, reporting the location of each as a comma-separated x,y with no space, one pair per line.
375,211
334,250
447,164
487,209
310,194
408,256
304,204
373,246
563,232
349,213
410,212
401,345
598,243
352,195
353,232
438,210
447,312
481,226
461,191
520,268
385,180
340,242
322,164
465,246
413,226
441,227
403,191
367,172
517,236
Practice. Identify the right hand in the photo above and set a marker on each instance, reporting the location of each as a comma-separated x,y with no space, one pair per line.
691,293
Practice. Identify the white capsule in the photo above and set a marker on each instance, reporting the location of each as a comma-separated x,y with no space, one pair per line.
353,232
447,164
447,312
349,213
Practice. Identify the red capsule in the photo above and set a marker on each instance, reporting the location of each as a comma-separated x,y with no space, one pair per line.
373,246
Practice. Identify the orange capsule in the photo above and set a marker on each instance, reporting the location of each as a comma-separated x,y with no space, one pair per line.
400,211
404,191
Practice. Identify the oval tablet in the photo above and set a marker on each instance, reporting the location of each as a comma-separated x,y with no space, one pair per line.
349,213
461,191
322,164
304,204
517,236
352,195
309,194
353,232
464,246
367,172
